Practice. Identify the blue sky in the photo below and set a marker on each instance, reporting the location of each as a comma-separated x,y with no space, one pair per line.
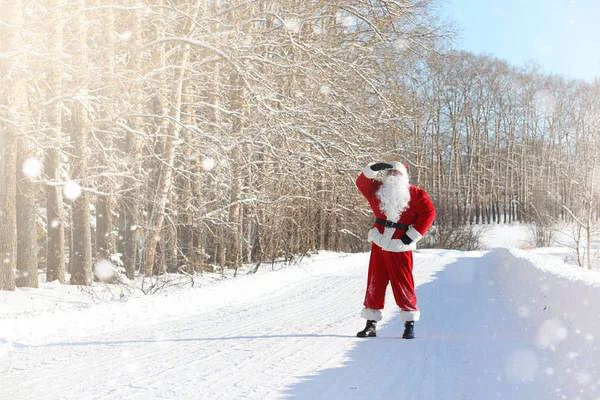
562,36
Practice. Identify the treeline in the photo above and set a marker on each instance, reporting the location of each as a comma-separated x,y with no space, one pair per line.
500,144
175,135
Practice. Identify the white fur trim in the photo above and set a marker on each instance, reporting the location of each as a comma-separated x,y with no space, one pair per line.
410,315
368,172
371,235
399,167
387,244
413,234
371,314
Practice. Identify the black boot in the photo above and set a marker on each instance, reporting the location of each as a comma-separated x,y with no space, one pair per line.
409,330
369,330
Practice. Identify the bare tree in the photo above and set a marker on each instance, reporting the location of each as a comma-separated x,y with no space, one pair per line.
105,239
80,125
168,149
228,132
27,262
133,144
55,214
13,98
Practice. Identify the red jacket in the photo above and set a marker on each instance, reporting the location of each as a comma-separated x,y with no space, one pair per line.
419,215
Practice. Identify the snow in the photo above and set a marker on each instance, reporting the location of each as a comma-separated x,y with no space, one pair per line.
293,25
72,190
506,235
104,270
32,168
208,164
510,321
126,35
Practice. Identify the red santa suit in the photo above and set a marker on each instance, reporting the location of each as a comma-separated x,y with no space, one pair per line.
391,260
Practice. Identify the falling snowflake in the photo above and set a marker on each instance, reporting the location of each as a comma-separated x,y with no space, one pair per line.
104,270
583,378
72,190
292,25
401,44
32,168
125,36
347,21
551,333
208,164
589,337
325,89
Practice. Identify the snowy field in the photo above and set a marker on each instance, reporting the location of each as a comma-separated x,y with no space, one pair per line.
508,322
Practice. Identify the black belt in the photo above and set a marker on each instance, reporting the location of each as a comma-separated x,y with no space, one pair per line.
390,224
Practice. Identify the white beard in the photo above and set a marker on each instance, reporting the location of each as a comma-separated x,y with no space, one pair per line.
394,196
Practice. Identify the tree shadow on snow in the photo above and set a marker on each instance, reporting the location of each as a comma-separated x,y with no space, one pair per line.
198,339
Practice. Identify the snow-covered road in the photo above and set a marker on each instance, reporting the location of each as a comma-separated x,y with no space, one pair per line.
297,340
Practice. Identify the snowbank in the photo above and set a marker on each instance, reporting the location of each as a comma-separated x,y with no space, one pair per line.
506,235
543,287
561,303
55,312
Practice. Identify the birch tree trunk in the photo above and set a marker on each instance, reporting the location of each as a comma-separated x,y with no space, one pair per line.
133,149
184,192
233,240
170,146
12,95
105,240
26,214
25,201
81,127
55,213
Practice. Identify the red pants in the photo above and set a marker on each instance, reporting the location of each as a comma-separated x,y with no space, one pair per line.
387,266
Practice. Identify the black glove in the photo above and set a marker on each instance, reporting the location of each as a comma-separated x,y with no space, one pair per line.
405,239
381,166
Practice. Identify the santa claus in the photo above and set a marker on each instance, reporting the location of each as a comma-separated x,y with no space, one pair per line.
403,214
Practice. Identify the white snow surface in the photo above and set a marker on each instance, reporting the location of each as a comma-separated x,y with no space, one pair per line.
502,323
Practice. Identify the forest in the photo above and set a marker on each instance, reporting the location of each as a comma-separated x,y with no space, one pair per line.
182,135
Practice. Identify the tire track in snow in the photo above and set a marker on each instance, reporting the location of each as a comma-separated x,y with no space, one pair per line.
327,289
462,351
